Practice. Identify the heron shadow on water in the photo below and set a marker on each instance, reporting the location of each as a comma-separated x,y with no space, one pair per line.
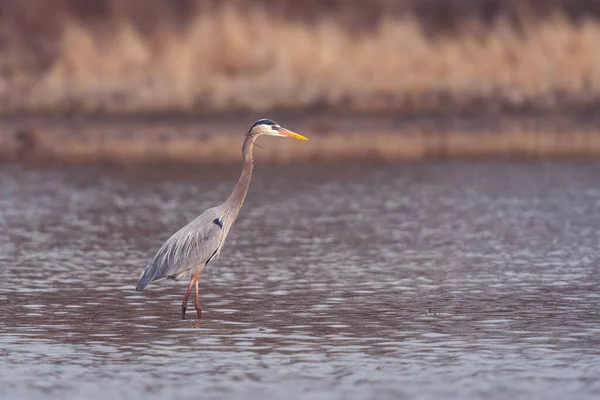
189,250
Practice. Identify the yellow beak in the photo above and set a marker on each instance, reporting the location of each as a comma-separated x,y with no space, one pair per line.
291,134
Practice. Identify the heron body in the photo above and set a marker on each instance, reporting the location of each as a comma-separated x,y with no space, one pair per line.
189,250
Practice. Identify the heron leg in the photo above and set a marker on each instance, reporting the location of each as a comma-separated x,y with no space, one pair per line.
198,308
185,299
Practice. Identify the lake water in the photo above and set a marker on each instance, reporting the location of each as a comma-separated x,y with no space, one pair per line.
422,281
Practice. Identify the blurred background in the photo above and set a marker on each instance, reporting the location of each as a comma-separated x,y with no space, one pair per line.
527,71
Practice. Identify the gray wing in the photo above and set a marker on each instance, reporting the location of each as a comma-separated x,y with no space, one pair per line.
194,245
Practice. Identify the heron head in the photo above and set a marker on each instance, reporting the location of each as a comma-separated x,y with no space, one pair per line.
271,128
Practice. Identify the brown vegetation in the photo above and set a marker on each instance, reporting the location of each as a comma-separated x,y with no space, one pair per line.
218,140
132,56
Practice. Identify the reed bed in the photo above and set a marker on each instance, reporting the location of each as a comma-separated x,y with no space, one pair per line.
131,57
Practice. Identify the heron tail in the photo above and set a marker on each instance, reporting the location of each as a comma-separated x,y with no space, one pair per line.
146,278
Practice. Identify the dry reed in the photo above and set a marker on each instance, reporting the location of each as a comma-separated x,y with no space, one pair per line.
236,56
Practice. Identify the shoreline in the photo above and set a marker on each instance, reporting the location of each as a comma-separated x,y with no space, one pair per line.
217,140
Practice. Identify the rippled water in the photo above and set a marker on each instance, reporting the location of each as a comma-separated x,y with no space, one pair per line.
352,281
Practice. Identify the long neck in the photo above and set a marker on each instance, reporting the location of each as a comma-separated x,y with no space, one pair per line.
236,199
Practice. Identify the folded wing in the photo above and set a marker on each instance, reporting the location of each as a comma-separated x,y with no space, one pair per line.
194,245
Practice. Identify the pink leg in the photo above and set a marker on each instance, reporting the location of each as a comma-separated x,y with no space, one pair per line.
185,299
198,308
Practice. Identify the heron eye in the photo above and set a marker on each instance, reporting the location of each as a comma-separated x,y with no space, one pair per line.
274,127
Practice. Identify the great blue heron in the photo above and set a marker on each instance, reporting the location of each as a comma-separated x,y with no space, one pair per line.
190,249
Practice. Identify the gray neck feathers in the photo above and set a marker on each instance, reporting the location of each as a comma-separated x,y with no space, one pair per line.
235,201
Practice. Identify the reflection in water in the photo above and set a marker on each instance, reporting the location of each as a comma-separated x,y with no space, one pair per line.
429,281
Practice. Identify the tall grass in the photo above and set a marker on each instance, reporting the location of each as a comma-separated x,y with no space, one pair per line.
245,55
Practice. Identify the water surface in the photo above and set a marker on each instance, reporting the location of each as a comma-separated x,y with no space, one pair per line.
421,281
